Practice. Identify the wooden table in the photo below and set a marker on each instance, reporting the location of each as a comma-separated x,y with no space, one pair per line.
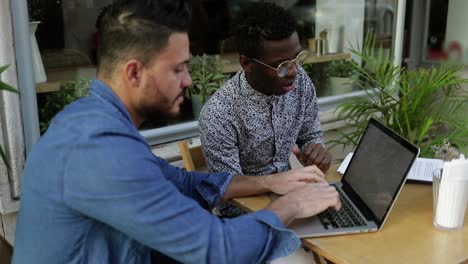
408,236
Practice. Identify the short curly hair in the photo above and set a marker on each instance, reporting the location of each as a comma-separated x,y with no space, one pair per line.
258,22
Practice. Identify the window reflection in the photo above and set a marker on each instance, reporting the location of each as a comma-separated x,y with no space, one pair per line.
437,24
446,39
328,28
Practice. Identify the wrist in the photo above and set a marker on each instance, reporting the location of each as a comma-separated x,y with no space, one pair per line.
267,183
286,209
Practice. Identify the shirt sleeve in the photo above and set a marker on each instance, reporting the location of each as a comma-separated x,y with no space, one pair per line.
205,188
311,131
128,190
219,139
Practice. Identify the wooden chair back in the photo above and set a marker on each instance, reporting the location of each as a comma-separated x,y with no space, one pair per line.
192,157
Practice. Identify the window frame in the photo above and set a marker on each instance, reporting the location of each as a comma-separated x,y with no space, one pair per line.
154,136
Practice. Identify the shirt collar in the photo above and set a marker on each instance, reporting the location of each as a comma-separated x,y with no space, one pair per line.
104,92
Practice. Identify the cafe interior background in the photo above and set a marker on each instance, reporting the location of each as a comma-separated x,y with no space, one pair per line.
52,46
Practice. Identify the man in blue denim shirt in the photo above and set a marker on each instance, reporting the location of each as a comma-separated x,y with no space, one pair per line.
93,191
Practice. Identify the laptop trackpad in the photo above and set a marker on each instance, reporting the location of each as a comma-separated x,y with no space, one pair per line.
308,226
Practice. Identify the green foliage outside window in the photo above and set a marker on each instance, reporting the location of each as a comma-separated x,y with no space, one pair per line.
55,101
341,68
207,76
425,106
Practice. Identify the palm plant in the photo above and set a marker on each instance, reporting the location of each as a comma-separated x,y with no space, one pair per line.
423,105
5,87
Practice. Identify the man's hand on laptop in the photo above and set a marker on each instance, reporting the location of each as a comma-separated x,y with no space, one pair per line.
283,182
305,201
314,154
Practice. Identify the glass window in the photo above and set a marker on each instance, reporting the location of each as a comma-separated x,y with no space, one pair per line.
328,28
64,51
436,31
446,38
67,42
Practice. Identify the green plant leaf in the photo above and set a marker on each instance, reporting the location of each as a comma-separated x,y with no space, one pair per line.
55,101
422,105
4,86
341,68
4,158
207,75
3,68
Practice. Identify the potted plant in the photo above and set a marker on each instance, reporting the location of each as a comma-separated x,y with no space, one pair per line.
207,77
5,87
425,106
318,75
340,73
53,102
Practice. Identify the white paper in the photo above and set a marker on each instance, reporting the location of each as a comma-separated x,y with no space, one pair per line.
421,170
342,168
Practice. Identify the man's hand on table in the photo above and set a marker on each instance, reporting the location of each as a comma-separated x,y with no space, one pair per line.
305,201
279,183
314,154
282,183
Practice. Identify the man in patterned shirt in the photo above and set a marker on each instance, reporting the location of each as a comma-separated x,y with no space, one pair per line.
252,123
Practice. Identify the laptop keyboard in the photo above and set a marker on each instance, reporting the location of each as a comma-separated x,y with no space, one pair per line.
346,217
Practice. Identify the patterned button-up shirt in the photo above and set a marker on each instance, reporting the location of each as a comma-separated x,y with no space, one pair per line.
246,132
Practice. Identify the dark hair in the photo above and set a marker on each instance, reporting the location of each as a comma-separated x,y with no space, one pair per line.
258,22
138,29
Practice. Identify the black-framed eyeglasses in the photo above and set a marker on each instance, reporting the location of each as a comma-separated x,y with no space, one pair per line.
284,67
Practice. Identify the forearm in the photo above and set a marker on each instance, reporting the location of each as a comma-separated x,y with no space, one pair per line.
284,209
279,183
241,186
308,138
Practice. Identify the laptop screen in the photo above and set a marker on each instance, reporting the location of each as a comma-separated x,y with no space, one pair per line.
379,167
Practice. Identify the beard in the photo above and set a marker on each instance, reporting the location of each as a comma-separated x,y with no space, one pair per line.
161,114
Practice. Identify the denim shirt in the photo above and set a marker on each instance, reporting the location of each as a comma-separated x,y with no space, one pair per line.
93,192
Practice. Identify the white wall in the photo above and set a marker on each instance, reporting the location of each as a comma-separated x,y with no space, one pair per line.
6,36
335,14
7,56
457,21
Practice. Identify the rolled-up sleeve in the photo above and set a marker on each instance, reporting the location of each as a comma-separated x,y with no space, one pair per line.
206,188
283,240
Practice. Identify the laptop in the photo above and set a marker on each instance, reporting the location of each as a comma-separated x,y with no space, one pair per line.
369,186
